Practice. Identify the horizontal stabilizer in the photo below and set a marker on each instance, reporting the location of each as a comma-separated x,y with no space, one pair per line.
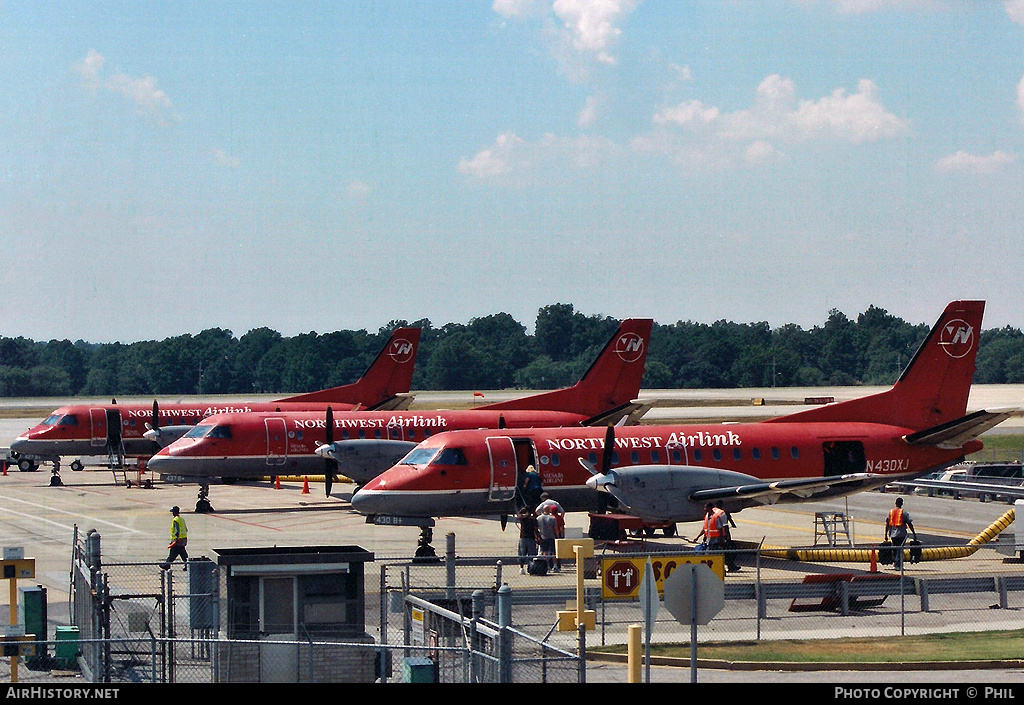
625,415
398,402
954,434
795,490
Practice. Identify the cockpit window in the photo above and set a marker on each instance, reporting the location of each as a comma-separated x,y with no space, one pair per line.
220,432
198,431
419,456
450,456
51,420
60,419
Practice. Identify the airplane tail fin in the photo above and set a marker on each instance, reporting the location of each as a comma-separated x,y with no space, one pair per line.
611,383
933,388
388,376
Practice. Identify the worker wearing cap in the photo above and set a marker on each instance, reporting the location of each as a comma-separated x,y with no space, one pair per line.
179,538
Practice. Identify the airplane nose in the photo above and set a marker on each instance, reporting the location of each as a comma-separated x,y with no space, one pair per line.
365,502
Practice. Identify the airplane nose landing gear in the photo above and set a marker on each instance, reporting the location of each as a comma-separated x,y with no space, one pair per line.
203,505
424,551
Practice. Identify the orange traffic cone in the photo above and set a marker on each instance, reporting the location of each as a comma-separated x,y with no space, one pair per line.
874,561
305,485
277,483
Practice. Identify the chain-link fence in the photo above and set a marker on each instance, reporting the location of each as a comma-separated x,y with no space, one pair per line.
486,619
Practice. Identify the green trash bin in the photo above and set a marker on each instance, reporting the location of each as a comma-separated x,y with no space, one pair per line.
419,670
65,651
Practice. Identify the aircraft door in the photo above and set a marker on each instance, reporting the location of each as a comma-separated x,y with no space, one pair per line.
503,469
98,427
113,428
843,457
277,441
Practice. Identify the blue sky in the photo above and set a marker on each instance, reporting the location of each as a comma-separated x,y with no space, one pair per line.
167,167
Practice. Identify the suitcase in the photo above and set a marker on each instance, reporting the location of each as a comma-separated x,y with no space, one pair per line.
538,566
915,551
885,553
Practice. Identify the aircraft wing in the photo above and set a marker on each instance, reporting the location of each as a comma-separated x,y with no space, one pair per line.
955,433
625,415
783,491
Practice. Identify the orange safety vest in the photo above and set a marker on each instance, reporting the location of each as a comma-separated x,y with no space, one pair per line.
712,524
895,517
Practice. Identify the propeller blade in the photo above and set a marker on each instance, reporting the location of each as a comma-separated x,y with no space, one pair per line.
156,417
330,464
609,448
501,422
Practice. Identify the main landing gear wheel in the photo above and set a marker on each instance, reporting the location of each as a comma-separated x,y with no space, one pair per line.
76,465
26,465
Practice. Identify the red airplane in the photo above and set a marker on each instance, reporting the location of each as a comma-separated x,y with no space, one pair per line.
666,473
134,430
238,445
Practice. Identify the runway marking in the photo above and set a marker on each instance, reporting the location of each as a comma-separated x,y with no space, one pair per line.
51,509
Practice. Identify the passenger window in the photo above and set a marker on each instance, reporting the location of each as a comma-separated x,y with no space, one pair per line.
698,455
755,453
737,454
615,458
634,458
592,458
344,435
716,454
655,456
795,452
775,453
677,457
555,460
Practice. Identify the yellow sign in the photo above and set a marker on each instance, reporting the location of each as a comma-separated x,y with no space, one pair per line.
621,576
18,568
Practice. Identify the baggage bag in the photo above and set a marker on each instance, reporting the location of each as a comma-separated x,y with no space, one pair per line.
538,566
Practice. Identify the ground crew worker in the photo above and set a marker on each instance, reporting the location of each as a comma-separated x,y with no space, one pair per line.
712,530
179,537
896,525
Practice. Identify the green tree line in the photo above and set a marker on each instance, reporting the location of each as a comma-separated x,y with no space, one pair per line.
493,352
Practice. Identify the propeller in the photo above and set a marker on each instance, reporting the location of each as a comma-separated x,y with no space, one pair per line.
330,464
602,479
501,422
153,427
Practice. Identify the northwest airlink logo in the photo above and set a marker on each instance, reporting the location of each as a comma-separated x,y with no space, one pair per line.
629,347
957,338
401,351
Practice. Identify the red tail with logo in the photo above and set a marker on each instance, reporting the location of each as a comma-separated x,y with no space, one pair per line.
934,387
389,374
612,381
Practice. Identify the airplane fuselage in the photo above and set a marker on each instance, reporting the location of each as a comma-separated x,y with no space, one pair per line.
261,444
87,430
488,464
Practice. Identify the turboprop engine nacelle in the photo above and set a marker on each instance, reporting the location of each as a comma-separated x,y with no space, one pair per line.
662,492
361,460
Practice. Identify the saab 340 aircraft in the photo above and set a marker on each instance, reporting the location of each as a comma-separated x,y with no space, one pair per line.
360,445
665,473
117,431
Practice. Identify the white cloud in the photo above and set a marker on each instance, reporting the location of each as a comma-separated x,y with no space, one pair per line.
358,190
493,161
593,25
761,152
223,159
1015,10
1020,98
776,114
514,8
580,32
511,159
141,92
588,115
967,163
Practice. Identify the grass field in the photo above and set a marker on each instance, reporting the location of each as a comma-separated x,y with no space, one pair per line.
960,646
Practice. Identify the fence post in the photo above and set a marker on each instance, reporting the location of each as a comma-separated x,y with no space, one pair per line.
449,560
504,635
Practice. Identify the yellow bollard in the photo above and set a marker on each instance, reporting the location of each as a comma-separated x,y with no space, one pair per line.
635,655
